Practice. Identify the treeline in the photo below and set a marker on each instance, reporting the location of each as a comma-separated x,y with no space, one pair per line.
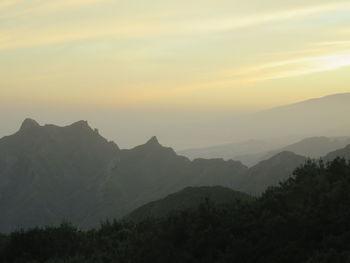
304,220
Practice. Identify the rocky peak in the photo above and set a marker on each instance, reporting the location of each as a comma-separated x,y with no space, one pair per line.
29,124
153,141
81,125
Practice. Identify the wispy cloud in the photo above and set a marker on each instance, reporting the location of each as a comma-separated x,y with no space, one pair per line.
257,19
22,38
28,36
292,67
341,43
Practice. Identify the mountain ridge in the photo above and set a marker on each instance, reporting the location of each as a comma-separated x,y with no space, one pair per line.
73,173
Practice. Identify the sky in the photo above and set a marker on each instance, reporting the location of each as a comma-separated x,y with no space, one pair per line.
164,59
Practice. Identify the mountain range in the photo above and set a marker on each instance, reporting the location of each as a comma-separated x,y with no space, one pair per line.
260,135
50,173
271,129
313,147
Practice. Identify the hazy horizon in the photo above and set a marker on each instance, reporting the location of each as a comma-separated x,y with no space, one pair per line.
181,71
208,131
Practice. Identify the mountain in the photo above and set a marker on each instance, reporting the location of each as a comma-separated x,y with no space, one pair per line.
305,219
188,198
197,129
229,151
316,117
50,173
313,147
271,172
344,153
277,127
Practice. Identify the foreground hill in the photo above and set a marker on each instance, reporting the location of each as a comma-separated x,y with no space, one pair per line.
305,219
189,198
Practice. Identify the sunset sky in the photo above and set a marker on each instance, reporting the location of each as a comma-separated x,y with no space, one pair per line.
138,55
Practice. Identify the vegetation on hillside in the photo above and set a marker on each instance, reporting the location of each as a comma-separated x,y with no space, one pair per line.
306,219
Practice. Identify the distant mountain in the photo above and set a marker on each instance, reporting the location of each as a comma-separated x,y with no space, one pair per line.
278,127
229,151
188,198
344,153
314,147
316,117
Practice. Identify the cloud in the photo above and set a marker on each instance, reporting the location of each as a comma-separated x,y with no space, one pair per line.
239,22
22,38
27,35
341,43
293,67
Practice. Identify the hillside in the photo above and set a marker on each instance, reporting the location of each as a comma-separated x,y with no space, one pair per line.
305,219
344,153
271,172
188,198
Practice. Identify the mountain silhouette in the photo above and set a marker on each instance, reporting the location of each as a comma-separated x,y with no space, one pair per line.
50,173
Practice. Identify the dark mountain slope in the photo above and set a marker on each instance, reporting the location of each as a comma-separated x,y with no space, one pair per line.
152,171
188,198
344,153
271,172
305,219
50,173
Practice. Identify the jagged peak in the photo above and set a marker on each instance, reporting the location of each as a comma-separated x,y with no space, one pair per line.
28,124
153,144
81,125
153,141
